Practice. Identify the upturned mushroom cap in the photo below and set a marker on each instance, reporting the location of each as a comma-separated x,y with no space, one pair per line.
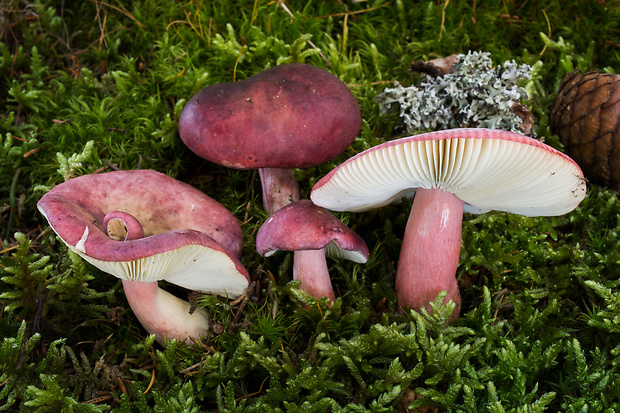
305,226
289,116
189,238
487,169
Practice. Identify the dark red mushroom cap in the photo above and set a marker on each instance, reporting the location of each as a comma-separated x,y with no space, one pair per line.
304,226
188,238
289,116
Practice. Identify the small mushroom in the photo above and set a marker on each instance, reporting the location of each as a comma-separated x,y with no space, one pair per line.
586,117
311,232
143,226
451,171
289,116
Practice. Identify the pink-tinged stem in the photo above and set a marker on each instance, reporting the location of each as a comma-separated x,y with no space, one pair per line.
310,267
159,312
430,251
279,188
163,314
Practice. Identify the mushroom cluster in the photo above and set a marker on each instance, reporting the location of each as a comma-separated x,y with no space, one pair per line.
289,116
143,226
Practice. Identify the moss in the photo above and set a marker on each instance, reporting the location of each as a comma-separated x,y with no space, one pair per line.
95,86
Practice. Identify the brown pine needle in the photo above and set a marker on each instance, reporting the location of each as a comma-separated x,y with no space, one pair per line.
32,151
121,385
548,31
260,390
96,400
5,250
443,18
151,383
121,10
352,12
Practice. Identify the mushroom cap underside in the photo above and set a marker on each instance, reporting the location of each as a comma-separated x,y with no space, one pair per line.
201,266
487,169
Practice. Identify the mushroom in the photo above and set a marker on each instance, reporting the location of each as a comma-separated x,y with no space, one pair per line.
289,116
311,232
451,171
143,226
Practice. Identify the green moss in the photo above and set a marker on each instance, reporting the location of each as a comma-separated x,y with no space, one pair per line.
95,86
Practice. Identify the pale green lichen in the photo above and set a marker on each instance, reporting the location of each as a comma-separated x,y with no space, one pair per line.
475,95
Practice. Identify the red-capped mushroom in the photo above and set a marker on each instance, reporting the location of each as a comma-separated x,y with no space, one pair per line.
289,116
471,170
143,226
311,232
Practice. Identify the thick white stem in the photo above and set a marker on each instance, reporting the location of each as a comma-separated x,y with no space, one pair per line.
310,267
430,252
163,314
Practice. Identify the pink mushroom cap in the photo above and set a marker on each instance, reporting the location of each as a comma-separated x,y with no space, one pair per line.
305,226
312,232
143,226
451,172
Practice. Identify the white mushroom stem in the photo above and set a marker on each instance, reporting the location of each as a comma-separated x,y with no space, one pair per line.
279,188
159,312
163,314
430,252
310,267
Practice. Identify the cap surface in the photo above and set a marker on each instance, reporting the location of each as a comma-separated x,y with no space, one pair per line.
304,226
289,116
189,238
487,169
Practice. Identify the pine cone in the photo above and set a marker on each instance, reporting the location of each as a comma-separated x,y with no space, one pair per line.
586,117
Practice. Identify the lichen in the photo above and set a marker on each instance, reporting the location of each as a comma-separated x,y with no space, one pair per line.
475,95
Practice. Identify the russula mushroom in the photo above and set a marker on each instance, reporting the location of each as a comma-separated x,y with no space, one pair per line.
451,171
143,226
311,232
289,116
586,117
